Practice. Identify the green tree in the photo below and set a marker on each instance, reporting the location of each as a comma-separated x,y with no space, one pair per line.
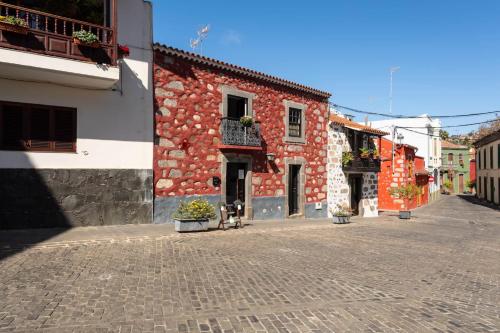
444,134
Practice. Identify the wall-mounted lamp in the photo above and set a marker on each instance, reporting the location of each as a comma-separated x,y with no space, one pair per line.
271,157
400,139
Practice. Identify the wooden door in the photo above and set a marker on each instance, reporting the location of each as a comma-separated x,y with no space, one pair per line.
460,183
293,189
235,182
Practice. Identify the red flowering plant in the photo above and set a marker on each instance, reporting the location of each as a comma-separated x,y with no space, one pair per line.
123,51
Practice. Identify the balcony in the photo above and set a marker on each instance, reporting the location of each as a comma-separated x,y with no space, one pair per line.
235,135
359,164
49,53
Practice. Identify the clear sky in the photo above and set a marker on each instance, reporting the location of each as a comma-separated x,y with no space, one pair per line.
448,51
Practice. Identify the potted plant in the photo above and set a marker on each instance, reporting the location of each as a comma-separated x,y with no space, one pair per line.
123,51
13,24
342,214
86,38
407,193
246,121
364,152
447,185
471,185
347,158
193,215
375,154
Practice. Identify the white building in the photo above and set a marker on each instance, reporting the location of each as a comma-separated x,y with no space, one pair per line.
423,133
76,122
353,166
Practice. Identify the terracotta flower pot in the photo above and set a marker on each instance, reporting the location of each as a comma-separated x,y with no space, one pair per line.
78,42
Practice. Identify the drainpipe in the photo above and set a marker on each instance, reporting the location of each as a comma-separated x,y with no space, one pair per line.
393,152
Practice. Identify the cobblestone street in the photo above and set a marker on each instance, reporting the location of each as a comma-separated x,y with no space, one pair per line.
438,273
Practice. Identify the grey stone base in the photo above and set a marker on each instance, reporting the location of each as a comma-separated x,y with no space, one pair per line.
41,198
264,208
313,213
164,207
268,208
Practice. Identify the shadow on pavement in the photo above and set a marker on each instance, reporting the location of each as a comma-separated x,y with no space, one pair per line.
476,201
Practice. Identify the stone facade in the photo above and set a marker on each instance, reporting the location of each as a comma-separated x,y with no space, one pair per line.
188,147
339,192
39,198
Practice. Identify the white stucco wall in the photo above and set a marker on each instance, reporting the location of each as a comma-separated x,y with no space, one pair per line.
427,148
114,127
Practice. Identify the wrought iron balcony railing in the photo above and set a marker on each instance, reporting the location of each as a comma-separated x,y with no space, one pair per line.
359,164
235,134
53,35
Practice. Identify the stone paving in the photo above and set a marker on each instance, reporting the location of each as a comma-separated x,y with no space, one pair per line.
439,272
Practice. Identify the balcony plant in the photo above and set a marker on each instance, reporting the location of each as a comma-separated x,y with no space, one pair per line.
364,152
342,214
193,215
407,193
123,51
375,154
13,24
86,38
246,121
347,158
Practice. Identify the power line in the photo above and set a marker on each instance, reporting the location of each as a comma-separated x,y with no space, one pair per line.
404,116
452,126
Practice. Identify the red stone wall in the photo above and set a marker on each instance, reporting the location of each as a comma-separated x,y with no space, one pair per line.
188,98
403,174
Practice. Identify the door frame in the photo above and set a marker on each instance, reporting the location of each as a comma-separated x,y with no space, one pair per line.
234,158
300,161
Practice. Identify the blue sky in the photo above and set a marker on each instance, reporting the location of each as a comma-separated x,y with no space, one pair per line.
448,51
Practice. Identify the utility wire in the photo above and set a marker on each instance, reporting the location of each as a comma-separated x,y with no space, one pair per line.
452,126
404,116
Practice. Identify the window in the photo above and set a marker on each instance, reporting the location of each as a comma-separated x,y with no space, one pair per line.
237,106
461,159
294,122
498,156
479,159
479,187
491,157
30,127
450,158
485,158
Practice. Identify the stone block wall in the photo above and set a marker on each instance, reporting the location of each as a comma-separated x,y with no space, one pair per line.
41,198
188,104
338,180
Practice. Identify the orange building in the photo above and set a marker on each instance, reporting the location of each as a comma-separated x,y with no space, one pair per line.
405,168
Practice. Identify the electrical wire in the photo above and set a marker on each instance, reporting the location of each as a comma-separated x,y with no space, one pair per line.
405,116
452,126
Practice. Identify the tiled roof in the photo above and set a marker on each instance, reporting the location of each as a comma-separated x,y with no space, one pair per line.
338,120
451,145
236,69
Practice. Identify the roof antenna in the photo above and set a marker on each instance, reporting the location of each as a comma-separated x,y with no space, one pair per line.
198,41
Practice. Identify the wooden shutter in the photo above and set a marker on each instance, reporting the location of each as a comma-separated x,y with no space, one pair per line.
12,127
64,130
39,129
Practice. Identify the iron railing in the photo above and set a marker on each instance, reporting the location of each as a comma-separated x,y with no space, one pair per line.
234,133
53,35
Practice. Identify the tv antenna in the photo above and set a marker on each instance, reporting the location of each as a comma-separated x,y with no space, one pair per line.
392,70
198,41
